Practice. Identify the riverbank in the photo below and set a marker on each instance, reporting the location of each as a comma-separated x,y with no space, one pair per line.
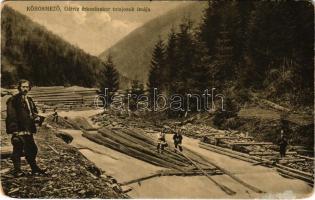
75,168
125,168
71,175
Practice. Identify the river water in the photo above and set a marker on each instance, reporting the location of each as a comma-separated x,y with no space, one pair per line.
126,168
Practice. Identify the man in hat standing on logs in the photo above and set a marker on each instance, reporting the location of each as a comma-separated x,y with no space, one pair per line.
283,143
20,123
177,138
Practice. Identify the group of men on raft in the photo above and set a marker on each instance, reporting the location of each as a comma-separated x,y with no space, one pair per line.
177,139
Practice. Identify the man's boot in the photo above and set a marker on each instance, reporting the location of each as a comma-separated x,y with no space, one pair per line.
39,171
17,172
36,170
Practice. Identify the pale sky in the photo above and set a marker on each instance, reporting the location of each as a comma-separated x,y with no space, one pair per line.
94,31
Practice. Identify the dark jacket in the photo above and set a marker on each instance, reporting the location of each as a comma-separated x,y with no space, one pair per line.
283,143
177,138
19,117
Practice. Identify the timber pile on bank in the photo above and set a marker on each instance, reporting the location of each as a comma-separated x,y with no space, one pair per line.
63,97
134,138
136,143
237,144
71,175
240,146
243,143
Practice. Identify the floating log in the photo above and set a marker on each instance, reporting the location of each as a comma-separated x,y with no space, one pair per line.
256,153
147,144
296,173
143,144
153,141
298,176
227,154
222,187
172,173
139,153
138,133
294,170
137,136
115,146
253,188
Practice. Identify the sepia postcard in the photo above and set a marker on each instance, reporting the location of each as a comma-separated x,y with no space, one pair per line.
157,99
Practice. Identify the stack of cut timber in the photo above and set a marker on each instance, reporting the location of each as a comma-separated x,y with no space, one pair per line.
270,153
290,160
306,166
66,96
141,146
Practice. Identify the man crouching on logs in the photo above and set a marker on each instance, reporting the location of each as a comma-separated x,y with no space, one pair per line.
20,123
161,141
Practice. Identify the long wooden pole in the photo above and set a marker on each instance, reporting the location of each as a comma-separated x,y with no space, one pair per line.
222,187
233,176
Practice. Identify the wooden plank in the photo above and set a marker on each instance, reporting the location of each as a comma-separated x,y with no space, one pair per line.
171,173
297,173
308,179
250,143
6,152
292,160
236,154
222,187
255,153
198,158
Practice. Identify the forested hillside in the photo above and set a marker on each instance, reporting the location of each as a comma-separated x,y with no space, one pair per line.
132,54
31,51
241,48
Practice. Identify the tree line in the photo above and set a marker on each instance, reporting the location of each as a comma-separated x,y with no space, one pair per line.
240,48
30,51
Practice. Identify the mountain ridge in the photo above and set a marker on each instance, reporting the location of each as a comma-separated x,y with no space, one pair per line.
141,41
30,50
